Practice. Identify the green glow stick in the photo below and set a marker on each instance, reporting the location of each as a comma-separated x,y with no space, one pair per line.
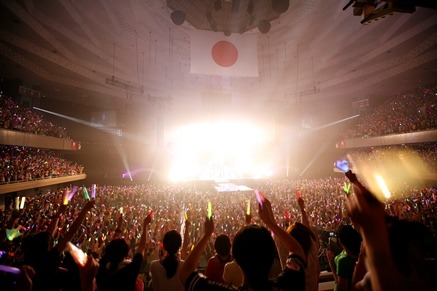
85,193
347,188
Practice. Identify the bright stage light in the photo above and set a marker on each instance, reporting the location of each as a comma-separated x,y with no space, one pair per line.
218,150
382,185
387,170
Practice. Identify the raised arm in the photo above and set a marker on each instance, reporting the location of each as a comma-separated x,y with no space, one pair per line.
193,258
142,244
367,212
55,220
304,217
292,246
184,248
75,226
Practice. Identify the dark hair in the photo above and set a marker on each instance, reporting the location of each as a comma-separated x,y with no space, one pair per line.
254,251
172,242
411,243
116,251
36,247
350,238
222,245
303,235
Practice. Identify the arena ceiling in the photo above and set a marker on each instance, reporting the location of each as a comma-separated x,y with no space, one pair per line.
105,53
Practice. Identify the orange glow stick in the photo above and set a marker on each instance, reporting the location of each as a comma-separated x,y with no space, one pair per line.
65,198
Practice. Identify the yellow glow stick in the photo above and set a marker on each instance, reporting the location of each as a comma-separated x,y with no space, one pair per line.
186,215
209,210
121,210
248,207
23,200
17,202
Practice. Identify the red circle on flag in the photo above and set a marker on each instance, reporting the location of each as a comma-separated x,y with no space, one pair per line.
224,53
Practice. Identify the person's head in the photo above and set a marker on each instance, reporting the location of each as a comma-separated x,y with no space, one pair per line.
222,245
116,251
302,234
254,251
172,242
411,244
350,239
36,247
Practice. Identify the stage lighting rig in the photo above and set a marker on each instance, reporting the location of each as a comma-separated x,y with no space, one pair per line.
374,10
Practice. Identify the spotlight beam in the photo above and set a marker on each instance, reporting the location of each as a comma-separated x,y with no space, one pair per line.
77,120
92,125
118,146
315,157
332,123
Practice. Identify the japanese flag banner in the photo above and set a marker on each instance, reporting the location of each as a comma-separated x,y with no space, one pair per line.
213,53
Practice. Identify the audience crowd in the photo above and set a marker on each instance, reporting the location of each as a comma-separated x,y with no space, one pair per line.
25,119
20,164
411,111
122,208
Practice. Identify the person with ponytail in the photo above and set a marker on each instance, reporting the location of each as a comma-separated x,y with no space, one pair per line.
115,271
165,272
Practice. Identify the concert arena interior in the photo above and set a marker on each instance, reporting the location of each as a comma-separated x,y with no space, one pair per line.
130,119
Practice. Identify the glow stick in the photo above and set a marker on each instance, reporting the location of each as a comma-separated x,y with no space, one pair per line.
347,188
85,193
259,198
209,210
73,191
17,203
248,207
298,195
9,269
23,200
287,214
65,198
121,210
93,191
186,215
262,196
13,233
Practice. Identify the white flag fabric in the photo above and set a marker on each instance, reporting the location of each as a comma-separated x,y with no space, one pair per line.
213,53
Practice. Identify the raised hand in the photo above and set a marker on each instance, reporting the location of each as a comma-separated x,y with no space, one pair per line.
209,226
266,213
148,218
